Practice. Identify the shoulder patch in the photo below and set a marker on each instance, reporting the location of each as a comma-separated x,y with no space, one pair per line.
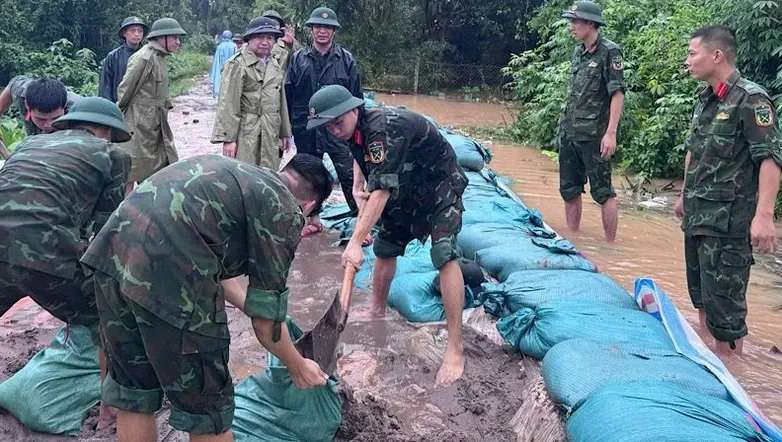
376,151
617,63
764,117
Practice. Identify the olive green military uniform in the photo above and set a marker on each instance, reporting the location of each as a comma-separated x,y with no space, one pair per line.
252,109
18,88
404,153
283,52
734,129
159,262
55,191
595,77
143,98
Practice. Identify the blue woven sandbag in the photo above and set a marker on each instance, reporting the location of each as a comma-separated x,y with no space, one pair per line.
659,412
532,254
475,237
576,368
534,332
532,288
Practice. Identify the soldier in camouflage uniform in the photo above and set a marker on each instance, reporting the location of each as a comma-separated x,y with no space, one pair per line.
587,129
166,263
252,113
413,187
55,191
731,182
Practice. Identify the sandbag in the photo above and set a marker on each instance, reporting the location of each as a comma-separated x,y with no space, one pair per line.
417,259
55,391
575,369
532,254
500,211
469,153
416,297
660,412
531,288
475,237
534,332
270,408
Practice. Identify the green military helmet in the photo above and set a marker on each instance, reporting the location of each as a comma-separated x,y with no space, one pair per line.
262,25
329,103
275,15
323,17
96,110
585,10
130,21
164,27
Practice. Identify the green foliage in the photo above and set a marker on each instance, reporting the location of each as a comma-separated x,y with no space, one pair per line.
11,132
199,43
182,68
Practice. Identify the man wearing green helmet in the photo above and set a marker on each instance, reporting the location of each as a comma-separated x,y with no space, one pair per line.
252,113
143,97
116,63
323,63
286,45
57,190
588,127
413,187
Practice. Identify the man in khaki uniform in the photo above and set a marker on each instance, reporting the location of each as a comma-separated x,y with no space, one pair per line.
252,111
288,41
143,98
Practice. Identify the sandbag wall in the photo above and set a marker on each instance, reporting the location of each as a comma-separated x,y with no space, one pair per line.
611,366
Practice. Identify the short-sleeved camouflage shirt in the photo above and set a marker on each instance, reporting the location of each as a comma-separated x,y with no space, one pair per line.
193,224
734,128
18,87
404,153
52,189
595,77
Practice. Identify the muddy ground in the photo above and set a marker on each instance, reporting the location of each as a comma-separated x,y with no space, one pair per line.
388,367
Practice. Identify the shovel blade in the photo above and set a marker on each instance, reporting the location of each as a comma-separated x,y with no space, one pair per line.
320,343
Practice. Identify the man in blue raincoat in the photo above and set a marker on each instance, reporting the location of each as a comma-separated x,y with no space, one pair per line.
225,50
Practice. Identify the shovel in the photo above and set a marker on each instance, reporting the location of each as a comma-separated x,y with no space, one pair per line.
320,343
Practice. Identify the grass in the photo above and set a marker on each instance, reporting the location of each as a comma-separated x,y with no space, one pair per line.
182,70
499,133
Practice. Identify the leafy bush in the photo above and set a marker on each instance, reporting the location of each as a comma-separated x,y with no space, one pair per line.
182,67
11,132
76,69
199,43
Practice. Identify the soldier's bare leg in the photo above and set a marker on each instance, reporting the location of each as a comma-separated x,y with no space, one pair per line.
723,348
107,416
610,219
702,320
385,268
452,288
573,213
136,427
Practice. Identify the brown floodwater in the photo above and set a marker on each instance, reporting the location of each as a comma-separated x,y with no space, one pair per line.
649,244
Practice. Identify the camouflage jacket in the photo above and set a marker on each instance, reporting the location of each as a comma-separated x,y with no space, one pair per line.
52,189
595,77
193,224
403,152
18,87
733,130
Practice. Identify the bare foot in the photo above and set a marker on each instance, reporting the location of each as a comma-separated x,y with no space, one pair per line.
311,229
368,240
452,368
107,416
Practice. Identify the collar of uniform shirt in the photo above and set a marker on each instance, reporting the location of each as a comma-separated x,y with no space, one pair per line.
593,47
723,88
358,138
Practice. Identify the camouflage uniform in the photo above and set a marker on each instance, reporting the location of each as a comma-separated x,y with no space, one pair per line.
159,262
404,153
52,190
596,76
18,87
252,109
733,131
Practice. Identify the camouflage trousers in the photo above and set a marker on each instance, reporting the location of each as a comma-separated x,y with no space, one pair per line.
579,160
444,224
717,278
69,300
146,360
319,141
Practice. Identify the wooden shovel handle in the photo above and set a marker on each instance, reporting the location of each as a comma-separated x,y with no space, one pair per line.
347,287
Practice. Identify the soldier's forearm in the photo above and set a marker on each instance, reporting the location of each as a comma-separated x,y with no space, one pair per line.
686,166
4,152
5,100
234,293
358,177
369,215
768,187
615,111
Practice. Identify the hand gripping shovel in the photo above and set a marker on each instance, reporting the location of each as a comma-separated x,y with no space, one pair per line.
320,343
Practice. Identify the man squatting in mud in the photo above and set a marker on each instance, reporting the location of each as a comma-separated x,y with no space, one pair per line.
414,188
55,191
731,182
